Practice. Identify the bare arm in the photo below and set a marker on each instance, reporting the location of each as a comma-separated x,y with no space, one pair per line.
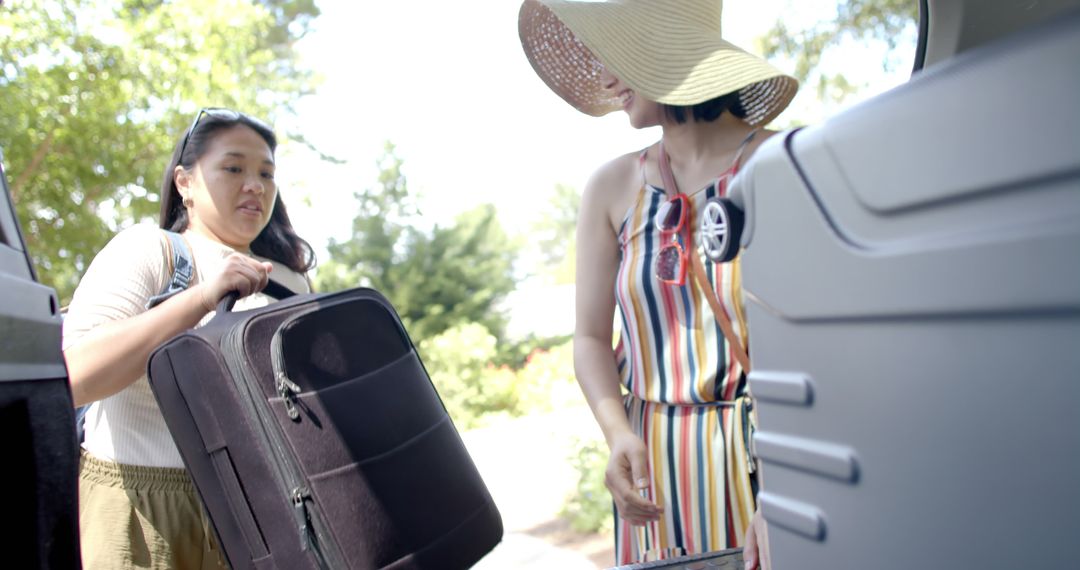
594,359
597,264
114,355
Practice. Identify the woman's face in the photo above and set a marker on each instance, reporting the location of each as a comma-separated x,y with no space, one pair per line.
642,112
231,187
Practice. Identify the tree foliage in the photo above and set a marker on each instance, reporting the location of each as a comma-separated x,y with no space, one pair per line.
471,388
554,234
889,21
436,279
95,94
477,391
588,509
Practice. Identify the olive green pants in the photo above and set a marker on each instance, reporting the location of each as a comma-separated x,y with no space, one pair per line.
142,517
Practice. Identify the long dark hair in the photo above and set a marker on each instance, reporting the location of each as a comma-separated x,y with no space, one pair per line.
278,240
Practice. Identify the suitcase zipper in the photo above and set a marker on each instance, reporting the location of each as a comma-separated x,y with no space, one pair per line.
300,510
288,390
289,473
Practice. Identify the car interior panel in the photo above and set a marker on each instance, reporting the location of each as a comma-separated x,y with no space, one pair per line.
37,416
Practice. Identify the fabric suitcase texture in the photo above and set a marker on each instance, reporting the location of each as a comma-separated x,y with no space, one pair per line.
41,472
316,440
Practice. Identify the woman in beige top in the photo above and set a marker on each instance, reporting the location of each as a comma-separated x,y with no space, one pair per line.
137,505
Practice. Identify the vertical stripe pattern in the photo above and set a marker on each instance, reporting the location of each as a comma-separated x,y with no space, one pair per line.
686,393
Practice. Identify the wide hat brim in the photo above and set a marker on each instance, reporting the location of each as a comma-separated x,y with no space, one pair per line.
668,51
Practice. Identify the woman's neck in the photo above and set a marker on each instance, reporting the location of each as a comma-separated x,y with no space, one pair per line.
697,143
205,233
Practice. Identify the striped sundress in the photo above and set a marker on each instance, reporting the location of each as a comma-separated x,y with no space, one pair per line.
686,392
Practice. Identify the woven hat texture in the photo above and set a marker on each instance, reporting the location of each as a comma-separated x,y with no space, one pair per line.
668,51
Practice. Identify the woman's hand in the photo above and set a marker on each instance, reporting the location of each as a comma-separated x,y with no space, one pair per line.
627,476
241,274
756,551
114,354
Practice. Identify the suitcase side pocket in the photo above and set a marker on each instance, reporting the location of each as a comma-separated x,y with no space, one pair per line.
238,503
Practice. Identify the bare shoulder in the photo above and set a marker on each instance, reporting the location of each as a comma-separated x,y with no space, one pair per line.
759,139
612,187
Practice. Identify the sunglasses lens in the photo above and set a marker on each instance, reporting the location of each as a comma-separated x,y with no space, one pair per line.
222,114
669,263
670,215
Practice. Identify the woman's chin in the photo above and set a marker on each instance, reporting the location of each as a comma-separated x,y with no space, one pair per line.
241,240
638,122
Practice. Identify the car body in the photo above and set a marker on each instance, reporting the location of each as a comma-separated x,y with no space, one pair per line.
37,416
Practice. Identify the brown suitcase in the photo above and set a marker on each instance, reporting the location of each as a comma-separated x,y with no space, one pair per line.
316,440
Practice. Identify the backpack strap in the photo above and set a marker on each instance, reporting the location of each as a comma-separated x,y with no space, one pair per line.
181,268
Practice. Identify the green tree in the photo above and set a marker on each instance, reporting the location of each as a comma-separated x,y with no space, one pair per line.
95,94
554,234
436,279
477,390
473,390
889,21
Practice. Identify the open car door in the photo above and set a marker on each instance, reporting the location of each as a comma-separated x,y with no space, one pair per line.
37,419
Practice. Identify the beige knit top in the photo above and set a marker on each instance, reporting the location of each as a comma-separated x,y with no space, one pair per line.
127,427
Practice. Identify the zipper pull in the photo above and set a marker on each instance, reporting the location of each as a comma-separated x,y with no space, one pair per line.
288,389
300,512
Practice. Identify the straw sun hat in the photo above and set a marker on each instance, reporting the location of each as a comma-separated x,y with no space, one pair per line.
668,51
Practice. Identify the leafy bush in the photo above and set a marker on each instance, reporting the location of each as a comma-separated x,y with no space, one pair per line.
516,353
590,508
458,362
546,381
475,391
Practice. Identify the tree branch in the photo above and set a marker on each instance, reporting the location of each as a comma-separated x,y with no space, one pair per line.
31,169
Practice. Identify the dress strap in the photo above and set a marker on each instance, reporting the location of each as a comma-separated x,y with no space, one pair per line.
642,192
742,147
727,175
641,166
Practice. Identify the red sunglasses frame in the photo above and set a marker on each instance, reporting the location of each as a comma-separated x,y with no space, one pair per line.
684,213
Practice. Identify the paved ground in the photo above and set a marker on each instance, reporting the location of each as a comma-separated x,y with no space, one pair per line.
522,551
524,464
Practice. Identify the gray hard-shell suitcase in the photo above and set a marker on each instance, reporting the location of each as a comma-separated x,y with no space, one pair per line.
912,268
315,439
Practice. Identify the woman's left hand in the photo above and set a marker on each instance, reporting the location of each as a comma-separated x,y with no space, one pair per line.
756,551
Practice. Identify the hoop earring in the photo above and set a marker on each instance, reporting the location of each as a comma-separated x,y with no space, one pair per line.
188,202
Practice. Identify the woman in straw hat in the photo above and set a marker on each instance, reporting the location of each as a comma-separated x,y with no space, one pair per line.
680,471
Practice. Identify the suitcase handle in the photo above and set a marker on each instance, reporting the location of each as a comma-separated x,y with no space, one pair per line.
273,289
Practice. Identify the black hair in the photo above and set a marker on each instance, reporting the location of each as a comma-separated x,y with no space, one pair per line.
707,111
278,240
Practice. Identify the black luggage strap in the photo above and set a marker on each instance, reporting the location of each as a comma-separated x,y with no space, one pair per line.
278,291
273,289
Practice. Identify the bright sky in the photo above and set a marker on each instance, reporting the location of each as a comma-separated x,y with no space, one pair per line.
448,83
